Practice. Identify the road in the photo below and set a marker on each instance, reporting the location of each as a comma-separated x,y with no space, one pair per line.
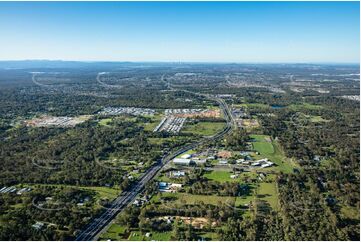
93,229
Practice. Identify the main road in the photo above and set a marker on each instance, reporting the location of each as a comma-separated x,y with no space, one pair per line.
96,226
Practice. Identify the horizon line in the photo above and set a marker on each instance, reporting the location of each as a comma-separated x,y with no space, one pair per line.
179,61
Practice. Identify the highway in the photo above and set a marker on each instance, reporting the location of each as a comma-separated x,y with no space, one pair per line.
93,229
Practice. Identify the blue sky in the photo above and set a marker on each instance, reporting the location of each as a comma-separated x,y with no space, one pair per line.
181,31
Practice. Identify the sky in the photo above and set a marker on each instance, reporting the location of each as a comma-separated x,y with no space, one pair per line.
244,32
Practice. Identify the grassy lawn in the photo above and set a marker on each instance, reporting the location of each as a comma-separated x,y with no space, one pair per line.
155,121
207,199
297,107
221,176
163,178
209,236
268,192
157,236
244,200
318,119
115,232
350,212
186,198
189,152
261,145
105,121
102,192
204,128
253,105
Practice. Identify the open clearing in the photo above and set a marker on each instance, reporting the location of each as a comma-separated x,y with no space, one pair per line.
105,121
204,128
268,192
262,144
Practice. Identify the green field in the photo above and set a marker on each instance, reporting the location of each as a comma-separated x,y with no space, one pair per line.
115,232
155,120
297,107
105,121
157,236
190,152
102,192
262,145
318,119
253,105
225,176
268,192
350,212
221,176
204,128
186,198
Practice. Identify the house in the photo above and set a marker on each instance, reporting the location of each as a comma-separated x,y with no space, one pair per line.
261,176
317,158
181,161
200,161
244,153
234,176
177,174
38,225
169,187
223,162
256,163
175,186
137,202
240,161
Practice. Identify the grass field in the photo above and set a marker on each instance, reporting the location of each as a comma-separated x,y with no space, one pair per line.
261,145
221,176
204,128
350,212
318,119
297,107
115,232
157,236
268,192
189,152
253,105
225,176
186,198
209,236
102,192
155,121
105,121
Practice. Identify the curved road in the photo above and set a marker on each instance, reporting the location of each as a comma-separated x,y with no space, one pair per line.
97,225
